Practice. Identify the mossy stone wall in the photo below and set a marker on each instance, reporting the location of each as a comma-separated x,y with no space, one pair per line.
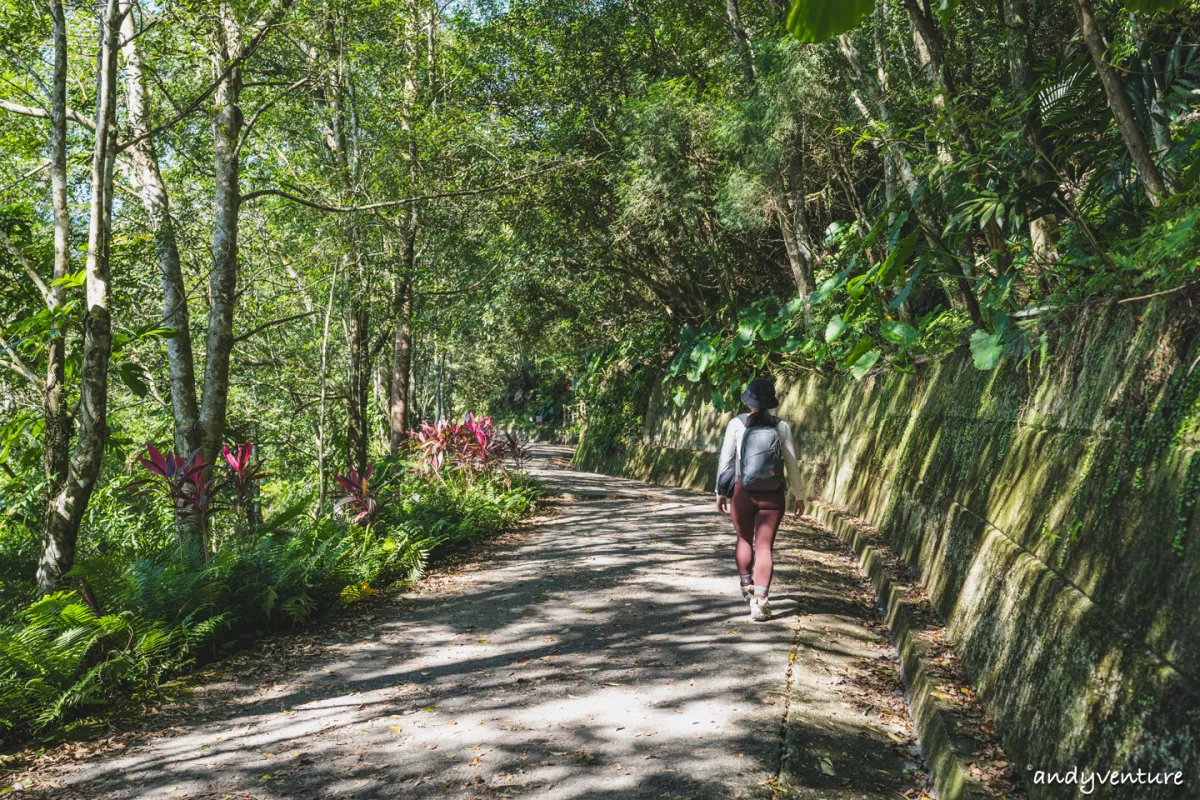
1050,512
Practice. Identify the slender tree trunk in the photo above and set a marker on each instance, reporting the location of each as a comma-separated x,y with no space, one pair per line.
222,286
324,375
56,439
1119,104
153,191
401,367
793,222
733,18
1020,61
881,75
232,45
931,51
67,506
358,386
337,139
399,415
790,212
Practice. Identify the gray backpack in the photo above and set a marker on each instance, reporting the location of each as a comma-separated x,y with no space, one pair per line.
761,463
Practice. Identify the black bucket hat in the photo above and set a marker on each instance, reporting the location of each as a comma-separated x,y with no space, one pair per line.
760,394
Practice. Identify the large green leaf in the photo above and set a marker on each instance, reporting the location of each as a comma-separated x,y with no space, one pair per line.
893,265
818,20
703,355
899,299
864,362
864,344
898,332
752,317
986,349
131,375
945,9
792,344
834,330
830,285
782,323
287,515
792,308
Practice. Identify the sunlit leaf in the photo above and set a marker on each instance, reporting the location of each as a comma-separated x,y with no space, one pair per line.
986,349
702,357
898,332
836,327
864,363
818,20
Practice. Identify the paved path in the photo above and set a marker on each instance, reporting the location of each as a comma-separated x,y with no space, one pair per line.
604,654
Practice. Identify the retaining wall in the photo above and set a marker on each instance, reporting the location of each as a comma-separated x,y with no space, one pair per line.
1050,513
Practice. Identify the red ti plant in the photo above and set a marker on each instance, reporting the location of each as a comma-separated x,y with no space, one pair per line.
186,483
357,497
471,447
432,442
245,473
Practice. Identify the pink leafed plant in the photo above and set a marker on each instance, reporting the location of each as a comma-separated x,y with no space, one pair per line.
185,480
471,447
356,496
245,473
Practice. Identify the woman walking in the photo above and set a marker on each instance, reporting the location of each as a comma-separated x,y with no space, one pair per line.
757,452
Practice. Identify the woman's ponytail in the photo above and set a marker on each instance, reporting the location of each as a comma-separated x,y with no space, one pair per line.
758,418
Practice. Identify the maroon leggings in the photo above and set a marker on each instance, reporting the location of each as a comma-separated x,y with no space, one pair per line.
756,518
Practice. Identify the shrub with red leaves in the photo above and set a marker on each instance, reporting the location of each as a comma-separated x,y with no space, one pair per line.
356,496
472,447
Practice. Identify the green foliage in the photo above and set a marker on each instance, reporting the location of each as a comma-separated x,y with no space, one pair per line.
131,624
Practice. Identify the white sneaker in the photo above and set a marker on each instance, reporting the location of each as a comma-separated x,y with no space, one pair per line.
747,590
760,609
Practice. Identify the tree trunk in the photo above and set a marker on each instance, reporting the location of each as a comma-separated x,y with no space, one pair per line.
733,18
222,282
56,439
401,367
399,421
1020,61
232,45
793,222
324,375
1118,103
358,387
881,75
337,141
931,51
153,191
67,506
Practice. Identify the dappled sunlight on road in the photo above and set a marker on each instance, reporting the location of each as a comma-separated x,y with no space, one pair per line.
606,655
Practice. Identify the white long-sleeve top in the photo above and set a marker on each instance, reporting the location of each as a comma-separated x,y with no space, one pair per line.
731,452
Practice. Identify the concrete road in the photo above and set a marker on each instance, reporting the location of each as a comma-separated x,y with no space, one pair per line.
604,653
